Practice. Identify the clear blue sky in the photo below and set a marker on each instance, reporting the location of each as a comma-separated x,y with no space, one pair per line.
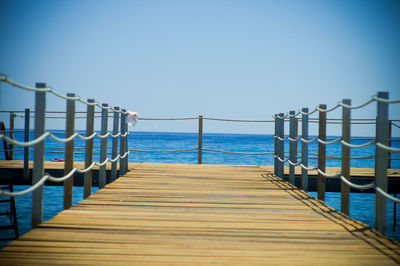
229,59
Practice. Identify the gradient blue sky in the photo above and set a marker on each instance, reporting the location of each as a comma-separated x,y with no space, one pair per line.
230,59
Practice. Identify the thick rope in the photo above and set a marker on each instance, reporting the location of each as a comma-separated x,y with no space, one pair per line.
309,141
49,89
241,153
329,142
184,118
239,120
194,149
358,146
356,186
390,149
378,189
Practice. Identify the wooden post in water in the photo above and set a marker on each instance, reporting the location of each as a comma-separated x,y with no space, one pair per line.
11,146
321,184
38,155
304,149
292,146
69,151
115,144
200,147
103,146
88,176
381,161
26,139
346,133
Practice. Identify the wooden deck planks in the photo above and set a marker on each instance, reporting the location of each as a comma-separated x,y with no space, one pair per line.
50,165
201,214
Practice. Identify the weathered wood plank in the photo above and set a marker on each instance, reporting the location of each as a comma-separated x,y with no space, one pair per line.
201,214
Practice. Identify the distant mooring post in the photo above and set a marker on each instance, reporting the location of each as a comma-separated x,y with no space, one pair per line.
200,148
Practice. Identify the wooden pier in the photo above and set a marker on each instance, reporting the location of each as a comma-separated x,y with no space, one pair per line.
11,171
201,214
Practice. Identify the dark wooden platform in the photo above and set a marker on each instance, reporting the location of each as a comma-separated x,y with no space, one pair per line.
169,214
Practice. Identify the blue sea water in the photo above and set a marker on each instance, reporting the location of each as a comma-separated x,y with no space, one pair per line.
362,205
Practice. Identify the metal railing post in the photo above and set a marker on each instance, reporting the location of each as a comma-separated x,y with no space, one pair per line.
281,145
200,146
381,161
115,144
103,146
292,147
321,184
126,159
122,144
69,151
26,139
88,176
38,155
11,146
304,149
346,133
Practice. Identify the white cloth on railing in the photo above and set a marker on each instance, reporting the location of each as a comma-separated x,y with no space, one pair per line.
131,119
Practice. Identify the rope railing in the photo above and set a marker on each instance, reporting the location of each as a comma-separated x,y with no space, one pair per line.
161,151
38,177
58,179
241,153
382,143
4,78
64,140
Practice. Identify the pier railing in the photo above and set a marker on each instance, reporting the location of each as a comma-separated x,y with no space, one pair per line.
294,158
120,132
382,151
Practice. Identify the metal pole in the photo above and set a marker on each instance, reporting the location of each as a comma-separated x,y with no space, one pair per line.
69,152
381,161
103,146
292,146
122,144
304,149
38,155
200,148
11,146
281,144
88,176
115,144
321,185
346,133
26,139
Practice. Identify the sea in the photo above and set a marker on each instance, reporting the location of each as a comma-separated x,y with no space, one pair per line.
362,205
